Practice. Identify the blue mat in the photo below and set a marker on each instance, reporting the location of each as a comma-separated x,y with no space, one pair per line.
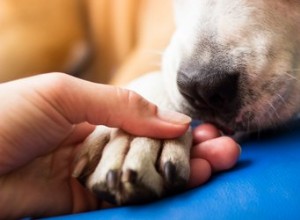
265,184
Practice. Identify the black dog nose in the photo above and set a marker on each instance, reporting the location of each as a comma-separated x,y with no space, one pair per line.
217,91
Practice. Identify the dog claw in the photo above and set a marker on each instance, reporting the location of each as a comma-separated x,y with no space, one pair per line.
129,176
112,180
122,173
103,195
174,182
169,172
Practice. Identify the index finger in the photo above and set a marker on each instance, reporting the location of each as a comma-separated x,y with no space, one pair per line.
79,101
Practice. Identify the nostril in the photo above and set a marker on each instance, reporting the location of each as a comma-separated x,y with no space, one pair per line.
219,91
194,99
214,90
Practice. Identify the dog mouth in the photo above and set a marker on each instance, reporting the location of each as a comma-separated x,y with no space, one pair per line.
200,111
224,122
254,110
227,125
250,118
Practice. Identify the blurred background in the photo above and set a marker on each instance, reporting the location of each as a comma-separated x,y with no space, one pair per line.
107,41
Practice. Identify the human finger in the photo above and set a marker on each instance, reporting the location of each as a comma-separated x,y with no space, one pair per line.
200,172
222,153
205,132
78,101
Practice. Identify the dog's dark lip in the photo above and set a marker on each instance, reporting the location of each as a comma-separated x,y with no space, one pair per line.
226,130
223,122
209,116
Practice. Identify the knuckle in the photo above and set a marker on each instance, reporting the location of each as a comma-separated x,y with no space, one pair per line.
54,88
58,79
54,81
142,105
135,98
136,103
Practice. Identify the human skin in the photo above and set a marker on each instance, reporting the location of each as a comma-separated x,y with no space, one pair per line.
44,118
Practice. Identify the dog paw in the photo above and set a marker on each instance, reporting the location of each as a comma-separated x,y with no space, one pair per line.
124,169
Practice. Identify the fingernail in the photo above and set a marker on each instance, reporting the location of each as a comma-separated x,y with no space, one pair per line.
173,117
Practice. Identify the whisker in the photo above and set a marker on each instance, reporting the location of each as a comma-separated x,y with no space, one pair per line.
274,111
281,98
291,76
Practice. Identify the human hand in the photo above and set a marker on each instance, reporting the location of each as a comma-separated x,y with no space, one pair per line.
45,117
211,153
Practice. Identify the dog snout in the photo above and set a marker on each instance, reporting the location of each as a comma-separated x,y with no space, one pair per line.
217,91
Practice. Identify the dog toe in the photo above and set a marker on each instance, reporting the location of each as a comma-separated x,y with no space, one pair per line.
135,170
129,176
174,163
101,191
112,180
174,182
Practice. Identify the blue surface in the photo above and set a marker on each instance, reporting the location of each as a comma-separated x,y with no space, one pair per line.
264,185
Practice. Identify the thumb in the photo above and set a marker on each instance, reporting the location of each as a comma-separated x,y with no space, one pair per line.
79,101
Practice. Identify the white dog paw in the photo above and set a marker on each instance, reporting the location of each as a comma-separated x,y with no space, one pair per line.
124,169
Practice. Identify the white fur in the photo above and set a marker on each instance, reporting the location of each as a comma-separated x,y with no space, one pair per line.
261,35
264,32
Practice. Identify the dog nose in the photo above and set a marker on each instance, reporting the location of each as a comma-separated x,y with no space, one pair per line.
217,91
